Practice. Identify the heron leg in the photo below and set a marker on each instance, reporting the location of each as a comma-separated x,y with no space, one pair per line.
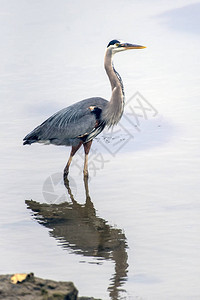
73,151
87,147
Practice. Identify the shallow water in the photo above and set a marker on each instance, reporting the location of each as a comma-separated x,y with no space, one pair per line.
132,231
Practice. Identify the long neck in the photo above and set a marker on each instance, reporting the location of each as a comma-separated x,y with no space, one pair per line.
113,112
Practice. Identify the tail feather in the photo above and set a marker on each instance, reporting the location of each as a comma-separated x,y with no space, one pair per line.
30,139
27,142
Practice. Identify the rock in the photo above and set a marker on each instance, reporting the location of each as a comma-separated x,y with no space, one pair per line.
33,288
29,287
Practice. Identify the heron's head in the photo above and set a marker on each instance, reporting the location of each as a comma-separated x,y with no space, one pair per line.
117,46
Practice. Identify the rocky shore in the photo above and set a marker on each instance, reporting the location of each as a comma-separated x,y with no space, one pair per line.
29,287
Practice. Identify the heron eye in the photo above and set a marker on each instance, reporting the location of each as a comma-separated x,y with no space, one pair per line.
117,44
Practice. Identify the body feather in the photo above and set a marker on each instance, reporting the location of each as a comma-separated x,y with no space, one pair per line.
71,124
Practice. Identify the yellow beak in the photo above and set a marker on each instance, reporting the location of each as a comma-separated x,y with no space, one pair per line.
131,46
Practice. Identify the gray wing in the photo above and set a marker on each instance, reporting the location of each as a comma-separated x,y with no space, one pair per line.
68,124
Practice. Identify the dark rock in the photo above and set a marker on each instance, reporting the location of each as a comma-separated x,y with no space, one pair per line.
36,288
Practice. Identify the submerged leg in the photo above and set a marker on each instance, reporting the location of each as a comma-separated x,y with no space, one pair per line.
73,151
87,147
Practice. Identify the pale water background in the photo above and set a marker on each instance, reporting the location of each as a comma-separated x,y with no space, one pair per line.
146,190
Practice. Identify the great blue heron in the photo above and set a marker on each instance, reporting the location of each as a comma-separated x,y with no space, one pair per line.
80,123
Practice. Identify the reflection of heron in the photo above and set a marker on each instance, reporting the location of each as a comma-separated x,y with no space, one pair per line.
81,122
76,227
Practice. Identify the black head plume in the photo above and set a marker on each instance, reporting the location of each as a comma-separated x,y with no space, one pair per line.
113,42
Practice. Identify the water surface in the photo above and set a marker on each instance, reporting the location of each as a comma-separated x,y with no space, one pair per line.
132,231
